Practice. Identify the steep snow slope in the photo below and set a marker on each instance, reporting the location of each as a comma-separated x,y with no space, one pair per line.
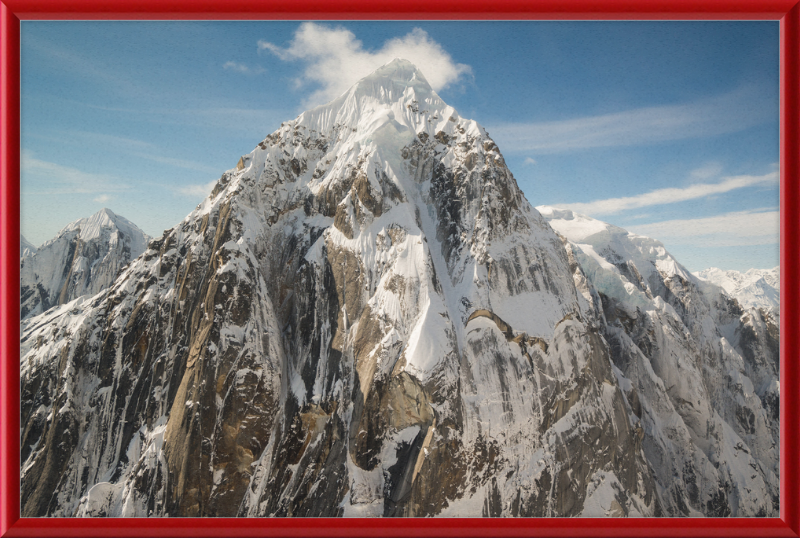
25,247
755,288
365,317
705,372
84,258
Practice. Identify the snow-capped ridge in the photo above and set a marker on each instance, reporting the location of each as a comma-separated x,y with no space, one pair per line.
399,80
577,227
674,329
621,245
91,228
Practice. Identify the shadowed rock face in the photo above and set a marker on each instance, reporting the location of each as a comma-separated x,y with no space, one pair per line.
366,317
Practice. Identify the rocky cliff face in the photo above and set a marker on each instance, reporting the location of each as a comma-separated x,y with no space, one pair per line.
366,317
83,259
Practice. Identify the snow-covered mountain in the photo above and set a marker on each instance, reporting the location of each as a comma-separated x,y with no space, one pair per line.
84,258
696,361
367,317
755,288
25,247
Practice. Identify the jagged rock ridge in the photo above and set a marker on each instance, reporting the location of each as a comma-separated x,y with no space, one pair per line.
366,317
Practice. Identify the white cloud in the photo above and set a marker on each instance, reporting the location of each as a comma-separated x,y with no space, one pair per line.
102,199
669,196
529,160
133,147
727,113
242,68
639,217
59,179
336,59
739,228
198,191
706,171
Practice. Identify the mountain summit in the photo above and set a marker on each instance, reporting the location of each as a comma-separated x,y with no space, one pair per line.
83,259
390,95
366,317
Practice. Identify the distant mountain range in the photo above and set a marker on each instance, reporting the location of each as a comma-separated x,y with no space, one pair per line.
755,288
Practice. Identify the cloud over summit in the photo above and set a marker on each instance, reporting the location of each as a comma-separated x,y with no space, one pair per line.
335,59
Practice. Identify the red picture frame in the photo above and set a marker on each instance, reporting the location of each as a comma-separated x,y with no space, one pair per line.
787,11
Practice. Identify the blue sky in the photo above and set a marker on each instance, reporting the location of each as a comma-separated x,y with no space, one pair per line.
669,129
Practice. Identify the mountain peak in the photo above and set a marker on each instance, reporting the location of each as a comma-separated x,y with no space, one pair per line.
395,91
394,81
90,228
104,217
83,259
398,70
379,115
576,226
107,212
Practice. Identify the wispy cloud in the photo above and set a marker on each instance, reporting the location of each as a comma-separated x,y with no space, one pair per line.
234,119
198,191
727,113
669,196
130,146
707,171
336,59
178,163
110,74
242,68
58,179
238,120
739,228
102,199
96,139
528,161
